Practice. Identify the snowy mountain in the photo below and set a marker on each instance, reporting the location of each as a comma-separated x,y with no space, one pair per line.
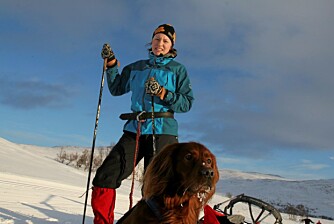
34,188
316,195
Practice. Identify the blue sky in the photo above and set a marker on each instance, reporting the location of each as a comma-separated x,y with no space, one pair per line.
261,71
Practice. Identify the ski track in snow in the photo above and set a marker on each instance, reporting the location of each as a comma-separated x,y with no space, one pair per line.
47,201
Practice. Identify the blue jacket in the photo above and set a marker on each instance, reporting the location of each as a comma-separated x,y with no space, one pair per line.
170,74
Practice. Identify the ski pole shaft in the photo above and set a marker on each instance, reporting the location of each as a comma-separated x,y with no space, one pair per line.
153,127
94,137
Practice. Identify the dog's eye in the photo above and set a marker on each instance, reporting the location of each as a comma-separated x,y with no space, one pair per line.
209,161
189,156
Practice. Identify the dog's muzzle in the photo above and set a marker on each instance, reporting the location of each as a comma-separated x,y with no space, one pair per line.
208,173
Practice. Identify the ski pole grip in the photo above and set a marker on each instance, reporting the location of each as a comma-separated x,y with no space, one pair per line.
107,52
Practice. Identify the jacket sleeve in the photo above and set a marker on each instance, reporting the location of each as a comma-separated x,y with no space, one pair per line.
182,99
118,84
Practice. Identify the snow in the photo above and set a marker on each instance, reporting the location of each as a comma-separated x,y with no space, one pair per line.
36,189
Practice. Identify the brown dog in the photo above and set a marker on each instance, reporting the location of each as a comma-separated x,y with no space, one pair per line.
177,184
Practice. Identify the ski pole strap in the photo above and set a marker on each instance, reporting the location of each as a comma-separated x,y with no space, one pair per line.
145,115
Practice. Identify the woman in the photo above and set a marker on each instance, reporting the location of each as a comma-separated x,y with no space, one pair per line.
158,84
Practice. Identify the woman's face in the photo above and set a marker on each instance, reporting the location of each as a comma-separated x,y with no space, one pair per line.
161,44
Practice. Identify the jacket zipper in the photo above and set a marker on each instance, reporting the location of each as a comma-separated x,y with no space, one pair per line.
149,75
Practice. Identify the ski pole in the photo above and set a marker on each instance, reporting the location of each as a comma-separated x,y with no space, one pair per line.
94,137
153,127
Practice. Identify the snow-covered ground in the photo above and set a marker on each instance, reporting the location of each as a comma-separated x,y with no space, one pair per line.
34,188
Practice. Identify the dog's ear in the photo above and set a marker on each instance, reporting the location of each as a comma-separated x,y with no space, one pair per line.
159,172
216,169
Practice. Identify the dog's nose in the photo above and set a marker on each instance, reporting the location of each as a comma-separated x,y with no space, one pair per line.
207,173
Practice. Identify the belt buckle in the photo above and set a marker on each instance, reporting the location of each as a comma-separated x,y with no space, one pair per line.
138,116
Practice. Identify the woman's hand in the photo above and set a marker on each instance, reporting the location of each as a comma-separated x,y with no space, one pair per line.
153,88
108,54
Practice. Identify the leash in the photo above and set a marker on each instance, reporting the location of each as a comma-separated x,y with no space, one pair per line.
135,158
138,118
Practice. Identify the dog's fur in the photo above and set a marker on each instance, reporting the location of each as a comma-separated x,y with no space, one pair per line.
177,184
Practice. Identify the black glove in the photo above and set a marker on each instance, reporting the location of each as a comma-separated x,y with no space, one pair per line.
107,52
152,87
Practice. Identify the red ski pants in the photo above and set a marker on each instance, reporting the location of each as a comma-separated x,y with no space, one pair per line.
103,204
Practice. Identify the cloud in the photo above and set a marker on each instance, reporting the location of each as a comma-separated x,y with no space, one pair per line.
261,71
266,79
309,165
226,160
60,27
32,94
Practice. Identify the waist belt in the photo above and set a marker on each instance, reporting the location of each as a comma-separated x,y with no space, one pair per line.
145,115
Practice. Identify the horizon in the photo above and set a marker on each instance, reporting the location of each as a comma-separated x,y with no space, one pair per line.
236,172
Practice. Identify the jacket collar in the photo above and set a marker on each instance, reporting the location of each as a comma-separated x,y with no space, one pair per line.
159,60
